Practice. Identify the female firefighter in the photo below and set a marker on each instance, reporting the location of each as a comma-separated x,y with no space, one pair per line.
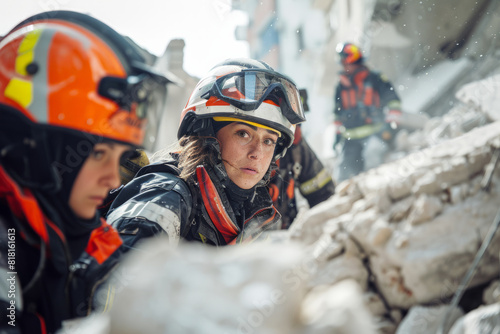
238,121
73,95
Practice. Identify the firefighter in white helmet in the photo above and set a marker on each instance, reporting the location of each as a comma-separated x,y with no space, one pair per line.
238,121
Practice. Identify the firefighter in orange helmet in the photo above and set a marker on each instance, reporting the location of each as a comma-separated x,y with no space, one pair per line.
73,99
366,107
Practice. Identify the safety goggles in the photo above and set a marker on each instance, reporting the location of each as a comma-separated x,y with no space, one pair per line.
247,89
132,93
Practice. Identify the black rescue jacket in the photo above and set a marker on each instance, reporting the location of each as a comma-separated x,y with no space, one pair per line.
157,202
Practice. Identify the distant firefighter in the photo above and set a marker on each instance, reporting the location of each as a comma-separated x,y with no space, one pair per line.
366,107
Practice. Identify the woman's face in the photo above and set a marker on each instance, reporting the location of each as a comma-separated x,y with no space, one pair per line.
247,152
99,174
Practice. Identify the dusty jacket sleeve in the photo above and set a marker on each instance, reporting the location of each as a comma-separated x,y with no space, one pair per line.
156,203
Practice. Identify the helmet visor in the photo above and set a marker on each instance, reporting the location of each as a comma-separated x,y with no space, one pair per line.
133,93
247,89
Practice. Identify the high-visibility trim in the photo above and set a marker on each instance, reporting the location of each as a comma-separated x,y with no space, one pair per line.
203,238
232,119
25,51
213,203
316,183
20,91
362,131
164,217
394,104
110,297
103,242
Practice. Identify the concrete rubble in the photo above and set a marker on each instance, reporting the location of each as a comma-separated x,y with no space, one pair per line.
385,254
200,289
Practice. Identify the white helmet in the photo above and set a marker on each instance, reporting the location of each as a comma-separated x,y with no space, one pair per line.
244,90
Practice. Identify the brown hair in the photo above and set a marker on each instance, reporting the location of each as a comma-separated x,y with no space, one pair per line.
195,151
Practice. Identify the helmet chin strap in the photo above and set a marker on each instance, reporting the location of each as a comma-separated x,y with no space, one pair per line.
227,162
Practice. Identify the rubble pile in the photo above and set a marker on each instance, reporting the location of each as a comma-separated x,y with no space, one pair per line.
409,230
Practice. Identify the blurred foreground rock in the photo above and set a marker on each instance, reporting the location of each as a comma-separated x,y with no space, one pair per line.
199,289
260,288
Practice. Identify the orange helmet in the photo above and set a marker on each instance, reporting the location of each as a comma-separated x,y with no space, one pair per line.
68,70
349,53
